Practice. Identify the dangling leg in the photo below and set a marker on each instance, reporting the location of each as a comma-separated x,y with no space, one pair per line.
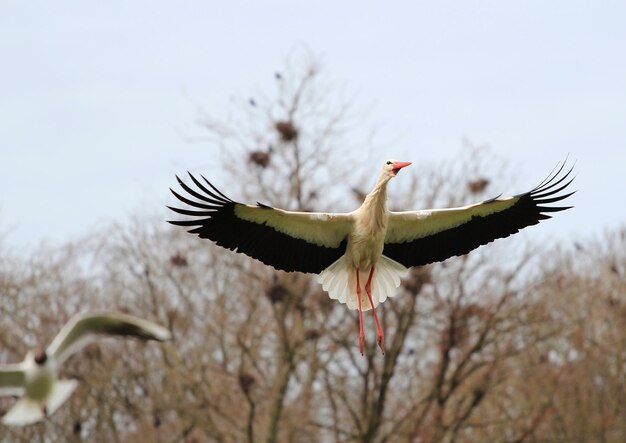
358,296
379,331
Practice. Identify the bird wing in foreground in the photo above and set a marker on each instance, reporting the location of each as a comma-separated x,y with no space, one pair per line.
291,241
419,237
12,379
83,328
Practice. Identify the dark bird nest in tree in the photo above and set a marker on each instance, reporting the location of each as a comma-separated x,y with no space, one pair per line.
260,158
276,293
178,260
478,185
246,381
286,130
312,334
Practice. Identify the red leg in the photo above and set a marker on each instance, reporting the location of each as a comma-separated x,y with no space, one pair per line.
379,331
358,296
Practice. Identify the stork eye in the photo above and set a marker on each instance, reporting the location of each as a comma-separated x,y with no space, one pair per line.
388,162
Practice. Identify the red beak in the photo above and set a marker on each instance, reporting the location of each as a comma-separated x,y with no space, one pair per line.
400,165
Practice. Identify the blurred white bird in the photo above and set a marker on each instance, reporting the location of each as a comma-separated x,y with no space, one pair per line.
36,378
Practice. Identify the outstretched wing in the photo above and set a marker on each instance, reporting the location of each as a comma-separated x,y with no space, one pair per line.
12,379
291,241
84,328
419,237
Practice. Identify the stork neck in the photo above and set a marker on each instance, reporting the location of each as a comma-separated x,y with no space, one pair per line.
378,195
375,203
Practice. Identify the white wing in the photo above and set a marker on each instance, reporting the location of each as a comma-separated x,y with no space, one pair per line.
61,391
12,379
83,328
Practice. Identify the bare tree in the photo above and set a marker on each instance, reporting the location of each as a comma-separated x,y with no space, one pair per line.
511,343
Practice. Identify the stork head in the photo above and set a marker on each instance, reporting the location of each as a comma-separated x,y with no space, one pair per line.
392,167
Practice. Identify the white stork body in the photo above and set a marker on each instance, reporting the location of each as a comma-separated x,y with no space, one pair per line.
364,251
361,256
36,378
367,236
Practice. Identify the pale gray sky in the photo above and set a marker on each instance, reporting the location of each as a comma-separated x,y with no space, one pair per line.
94,95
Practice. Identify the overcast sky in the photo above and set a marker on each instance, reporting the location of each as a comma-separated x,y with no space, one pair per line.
94,96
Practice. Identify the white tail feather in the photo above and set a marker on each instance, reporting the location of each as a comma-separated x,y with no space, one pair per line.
24,412
339,280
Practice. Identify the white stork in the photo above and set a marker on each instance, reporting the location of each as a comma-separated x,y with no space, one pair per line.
36,378
371,244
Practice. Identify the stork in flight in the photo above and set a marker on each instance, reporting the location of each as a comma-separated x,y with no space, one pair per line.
370,245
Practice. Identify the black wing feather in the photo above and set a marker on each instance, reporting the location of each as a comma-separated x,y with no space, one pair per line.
218,222
529,210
